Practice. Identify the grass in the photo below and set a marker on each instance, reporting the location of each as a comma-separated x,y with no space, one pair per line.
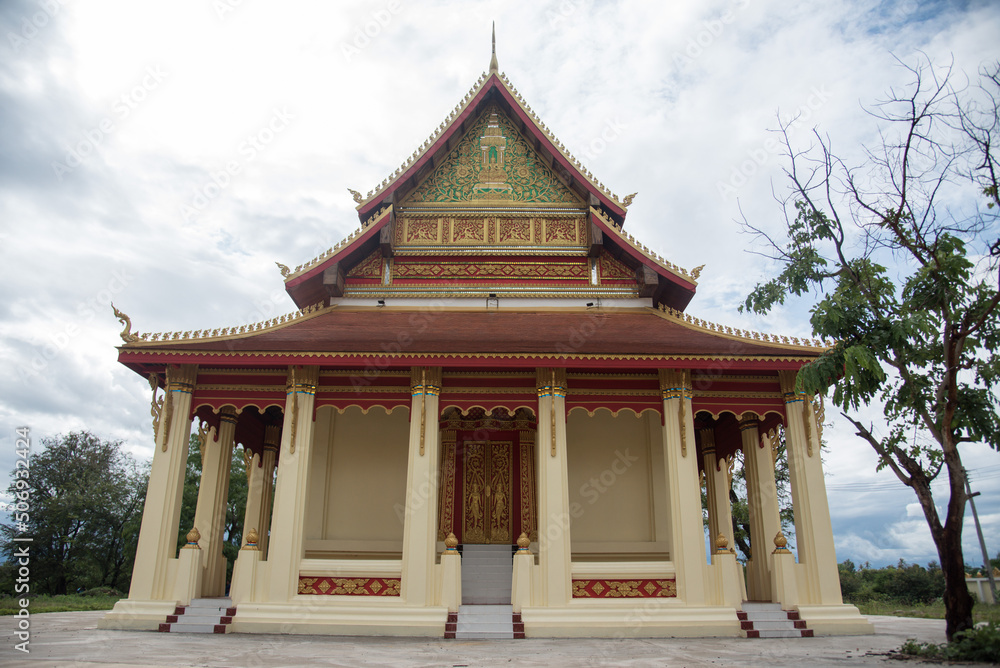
980,613
63,603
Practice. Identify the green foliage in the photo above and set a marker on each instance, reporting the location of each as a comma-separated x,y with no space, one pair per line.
86,497
980,643
903,584
60,603
927,650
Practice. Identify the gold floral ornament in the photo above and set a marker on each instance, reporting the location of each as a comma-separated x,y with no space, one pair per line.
285,271
628,199
696,272
126,334
156,405
252,538
356,195
192,539
781,544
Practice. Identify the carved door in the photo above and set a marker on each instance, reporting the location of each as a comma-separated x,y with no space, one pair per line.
486,492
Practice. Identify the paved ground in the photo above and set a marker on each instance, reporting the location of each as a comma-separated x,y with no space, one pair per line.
71,639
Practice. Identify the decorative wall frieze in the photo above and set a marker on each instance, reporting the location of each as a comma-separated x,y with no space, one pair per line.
361,586
605,588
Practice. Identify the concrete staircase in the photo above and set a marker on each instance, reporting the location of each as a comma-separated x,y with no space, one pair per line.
487,571
768,620
484,622
204,615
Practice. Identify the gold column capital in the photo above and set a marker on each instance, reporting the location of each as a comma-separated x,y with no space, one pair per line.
550,381
676,380
749,420
707,435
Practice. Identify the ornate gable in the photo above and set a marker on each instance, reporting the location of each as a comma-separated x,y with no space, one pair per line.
493,164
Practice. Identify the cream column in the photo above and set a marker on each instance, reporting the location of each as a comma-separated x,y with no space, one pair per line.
720,512
161,512
213,494
762,502
272,441
290,490
554,553
813,530
687,544
420,516
255,492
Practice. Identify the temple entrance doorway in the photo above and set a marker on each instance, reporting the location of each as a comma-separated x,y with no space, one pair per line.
487,476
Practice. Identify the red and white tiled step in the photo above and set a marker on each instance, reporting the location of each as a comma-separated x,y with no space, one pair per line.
768,620
204,615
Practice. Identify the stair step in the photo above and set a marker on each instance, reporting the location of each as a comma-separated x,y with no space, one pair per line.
482,635
192,628
203,615
220,603
794,633
768,620
751,606
769,616
199,618
485,621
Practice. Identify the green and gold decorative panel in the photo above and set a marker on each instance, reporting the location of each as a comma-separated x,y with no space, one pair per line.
493,164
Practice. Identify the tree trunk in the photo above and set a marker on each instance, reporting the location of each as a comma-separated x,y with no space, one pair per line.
957,599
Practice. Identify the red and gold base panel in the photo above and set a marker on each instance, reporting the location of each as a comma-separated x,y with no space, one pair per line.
349,586
624,588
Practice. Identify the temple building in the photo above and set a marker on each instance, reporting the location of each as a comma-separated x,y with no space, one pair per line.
490,365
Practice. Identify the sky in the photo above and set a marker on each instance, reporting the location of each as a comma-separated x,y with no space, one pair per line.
118,121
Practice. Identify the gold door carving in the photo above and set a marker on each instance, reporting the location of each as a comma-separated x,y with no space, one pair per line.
486,492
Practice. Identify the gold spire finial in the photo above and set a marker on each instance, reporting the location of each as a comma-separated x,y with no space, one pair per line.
494,66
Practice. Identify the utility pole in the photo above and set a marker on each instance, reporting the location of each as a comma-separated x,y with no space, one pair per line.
982,541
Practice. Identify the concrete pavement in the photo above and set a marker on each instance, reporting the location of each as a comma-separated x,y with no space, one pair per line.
71,639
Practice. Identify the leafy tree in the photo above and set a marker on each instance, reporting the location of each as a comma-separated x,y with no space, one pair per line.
86,497
898,250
